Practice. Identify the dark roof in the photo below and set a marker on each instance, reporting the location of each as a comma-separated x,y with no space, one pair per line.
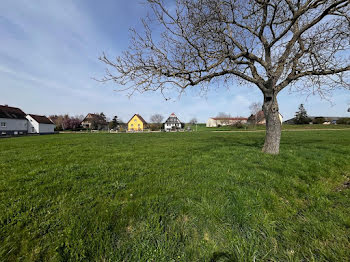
96,117
140,117
11,112
172,119
41,119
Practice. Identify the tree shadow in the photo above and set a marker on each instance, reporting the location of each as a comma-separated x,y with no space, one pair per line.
223,257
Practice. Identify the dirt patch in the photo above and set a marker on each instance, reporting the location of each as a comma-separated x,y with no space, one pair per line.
344,186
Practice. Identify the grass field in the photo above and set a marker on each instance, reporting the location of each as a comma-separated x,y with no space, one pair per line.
197,196
202,127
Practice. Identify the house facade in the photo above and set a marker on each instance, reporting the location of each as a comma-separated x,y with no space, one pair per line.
225,121
95,121
13,121
173,123
137,123
258,118
40,125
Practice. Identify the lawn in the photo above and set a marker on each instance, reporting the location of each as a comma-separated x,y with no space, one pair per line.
197,196
202,127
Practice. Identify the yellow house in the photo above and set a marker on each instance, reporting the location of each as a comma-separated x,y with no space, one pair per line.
137,123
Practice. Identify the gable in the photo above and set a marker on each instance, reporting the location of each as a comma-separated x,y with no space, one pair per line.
138,118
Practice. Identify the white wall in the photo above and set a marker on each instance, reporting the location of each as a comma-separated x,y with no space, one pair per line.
33,126
46,128
211,123
14,124
39,128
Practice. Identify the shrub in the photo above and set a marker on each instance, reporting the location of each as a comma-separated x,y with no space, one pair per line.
344,121
318,120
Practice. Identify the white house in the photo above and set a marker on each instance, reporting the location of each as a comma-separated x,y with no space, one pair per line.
173,123
40,125
225,121
12,121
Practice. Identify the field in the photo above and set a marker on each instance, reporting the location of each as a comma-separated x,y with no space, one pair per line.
196,196
202,127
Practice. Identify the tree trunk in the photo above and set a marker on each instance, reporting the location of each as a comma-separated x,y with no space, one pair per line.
273,125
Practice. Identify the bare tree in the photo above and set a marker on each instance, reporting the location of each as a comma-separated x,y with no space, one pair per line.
223,115
255,109
156,118
269,43
193,121
225,118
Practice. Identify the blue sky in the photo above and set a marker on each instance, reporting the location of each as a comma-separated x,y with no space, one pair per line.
49,54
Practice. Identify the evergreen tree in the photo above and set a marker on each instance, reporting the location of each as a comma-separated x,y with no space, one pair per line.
301,116
114,124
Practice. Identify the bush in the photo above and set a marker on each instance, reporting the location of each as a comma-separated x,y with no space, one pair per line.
343,121
239,125
155,127
318,120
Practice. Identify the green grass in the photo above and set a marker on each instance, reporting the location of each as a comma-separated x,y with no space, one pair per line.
197,196
202,127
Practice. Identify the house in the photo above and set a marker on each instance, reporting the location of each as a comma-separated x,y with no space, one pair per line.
40,125
225,121
13,121
173,123
137,123
95,121
259,118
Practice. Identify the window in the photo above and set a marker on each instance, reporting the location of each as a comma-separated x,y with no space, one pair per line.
33,129
132,124
135,120
3,124
139,125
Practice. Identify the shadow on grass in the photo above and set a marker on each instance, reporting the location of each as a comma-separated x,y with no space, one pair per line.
223,257
234,142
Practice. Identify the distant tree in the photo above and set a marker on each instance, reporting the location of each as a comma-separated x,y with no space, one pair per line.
157,119
318,120
57,120
223,115
193,121
103,115
343,121
255,109
114,123
301,116
225,118
99,122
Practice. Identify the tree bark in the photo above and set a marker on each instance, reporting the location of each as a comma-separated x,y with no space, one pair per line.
273,125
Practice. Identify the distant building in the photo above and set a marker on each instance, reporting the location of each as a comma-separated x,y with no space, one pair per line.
325,120
173,123
13,121
95,121
137,123
225,121
259,118
40,125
